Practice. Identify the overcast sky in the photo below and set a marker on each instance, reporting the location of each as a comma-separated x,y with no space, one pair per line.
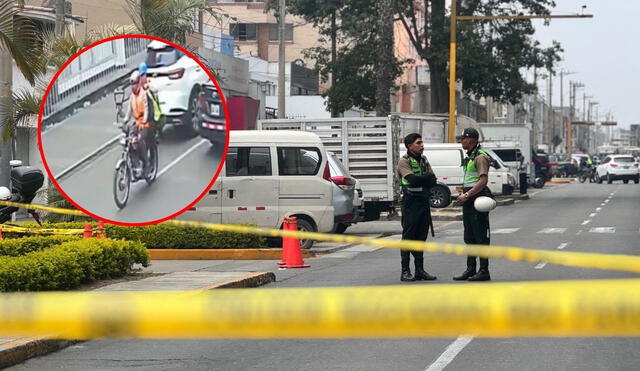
603,51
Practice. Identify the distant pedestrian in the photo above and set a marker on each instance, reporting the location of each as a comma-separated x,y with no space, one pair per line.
476,223
522,173
417,178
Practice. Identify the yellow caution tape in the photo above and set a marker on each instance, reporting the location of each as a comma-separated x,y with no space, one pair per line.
13,228
553,308
617,262
43,208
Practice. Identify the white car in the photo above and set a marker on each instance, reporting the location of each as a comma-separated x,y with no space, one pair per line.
178,79
618,167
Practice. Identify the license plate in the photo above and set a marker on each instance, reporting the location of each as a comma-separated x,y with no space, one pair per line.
215,109
626,167
459,189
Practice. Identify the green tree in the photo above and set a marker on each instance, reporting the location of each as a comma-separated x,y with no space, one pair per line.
491,55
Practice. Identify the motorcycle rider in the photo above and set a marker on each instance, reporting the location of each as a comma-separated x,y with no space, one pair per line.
139,111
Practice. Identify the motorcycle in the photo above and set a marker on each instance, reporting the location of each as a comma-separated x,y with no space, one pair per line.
588,173
130,167
25,182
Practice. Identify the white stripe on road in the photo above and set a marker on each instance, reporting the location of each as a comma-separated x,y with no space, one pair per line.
450,353
182,156
563,245
592,215
505,230
602,204
541,265
586,222
603,230
552,230
579,232
598,209
606,201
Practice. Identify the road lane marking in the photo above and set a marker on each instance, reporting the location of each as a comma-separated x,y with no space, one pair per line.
540,265
586,222
563,245
606,201
603,230
579,232
182,156
602,204
552,230
505,230
598,209
450,353
592,215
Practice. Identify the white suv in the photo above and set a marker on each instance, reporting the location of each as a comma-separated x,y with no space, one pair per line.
618,167
178,80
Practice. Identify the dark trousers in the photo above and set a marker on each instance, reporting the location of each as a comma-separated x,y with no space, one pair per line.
146,136
476,231
415,226
523,183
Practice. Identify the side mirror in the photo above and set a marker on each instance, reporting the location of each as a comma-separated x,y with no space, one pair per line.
495,164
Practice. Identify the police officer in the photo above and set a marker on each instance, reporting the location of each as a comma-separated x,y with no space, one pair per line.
476,224
417,178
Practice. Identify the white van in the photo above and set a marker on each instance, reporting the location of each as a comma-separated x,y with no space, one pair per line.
446,161
270,174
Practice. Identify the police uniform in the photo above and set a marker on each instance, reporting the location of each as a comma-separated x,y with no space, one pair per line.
416,213
476,224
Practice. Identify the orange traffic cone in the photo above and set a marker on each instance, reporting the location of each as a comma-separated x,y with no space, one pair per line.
88,232
285,227
291,247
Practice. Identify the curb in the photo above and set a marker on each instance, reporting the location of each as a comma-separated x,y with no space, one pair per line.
21,350
220,254
102,149
29,348
507,201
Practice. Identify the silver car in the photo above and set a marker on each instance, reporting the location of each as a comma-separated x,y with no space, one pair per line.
345,198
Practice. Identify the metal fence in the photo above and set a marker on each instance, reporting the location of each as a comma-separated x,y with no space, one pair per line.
92,70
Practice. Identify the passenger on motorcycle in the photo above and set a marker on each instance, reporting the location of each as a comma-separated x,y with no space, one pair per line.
139,111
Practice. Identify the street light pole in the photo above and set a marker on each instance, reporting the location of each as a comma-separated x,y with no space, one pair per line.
281,57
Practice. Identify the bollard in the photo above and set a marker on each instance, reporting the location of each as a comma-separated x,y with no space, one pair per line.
101,231
88,232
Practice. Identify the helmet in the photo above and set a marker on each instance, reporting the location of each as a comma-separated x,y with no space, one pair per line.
5,193
135,77
142,68
484,204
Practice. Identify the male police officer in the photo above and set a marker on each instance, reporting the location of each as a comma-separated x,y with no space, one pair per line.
417,178
476,224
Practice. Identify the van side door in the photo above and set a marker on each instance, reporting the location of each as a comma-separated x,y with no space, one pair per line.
250,188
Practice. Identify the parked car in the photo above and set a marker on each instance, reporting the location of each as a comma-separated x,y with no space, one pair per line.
562,166
618,167
212,124
268,175
178,79
344,194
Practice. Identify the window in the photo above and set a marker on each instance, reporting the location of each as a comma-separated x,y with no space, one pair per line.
507,155
624,159
162,57
299,160
273,32
444,157
606,160
248,161
243,31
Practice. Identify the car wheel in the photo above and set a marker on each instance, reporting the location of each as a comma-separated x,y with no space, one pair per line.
440,197
637,180
625,181
609,178
599,179
339,228
191,121
305,226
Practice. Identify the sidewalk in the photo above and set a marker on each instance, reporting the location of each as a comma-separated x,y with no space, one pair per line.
181,276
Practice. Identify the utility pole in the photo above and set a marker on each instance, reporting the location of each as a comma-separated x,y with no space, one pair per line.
563,128
60,18
534,124
6,79
281,57
551,123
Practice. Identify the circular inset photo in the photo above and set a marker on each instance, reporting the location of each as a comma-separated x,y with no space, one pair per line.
133,130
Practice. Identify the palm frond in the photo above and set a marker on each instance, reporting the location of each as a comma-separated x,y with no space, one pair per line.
18,37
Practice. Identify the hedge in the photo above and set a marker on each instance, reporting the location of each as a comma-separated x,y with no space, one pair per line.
67,265
167,236
22,246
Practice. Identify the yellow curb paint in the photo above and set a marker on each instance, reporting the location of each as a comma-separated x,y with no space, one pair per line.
220,254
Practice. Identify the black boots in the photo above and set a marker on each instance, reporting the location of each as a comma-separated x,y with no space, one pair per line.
406,275
482,275
421,274
470,272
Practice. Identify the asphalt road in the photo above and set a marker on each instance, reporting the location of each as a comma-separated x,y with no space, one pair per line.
186,167
574,217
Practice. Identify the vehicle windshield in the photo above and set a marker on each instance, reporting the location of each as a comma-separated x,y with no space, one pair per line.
162,57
